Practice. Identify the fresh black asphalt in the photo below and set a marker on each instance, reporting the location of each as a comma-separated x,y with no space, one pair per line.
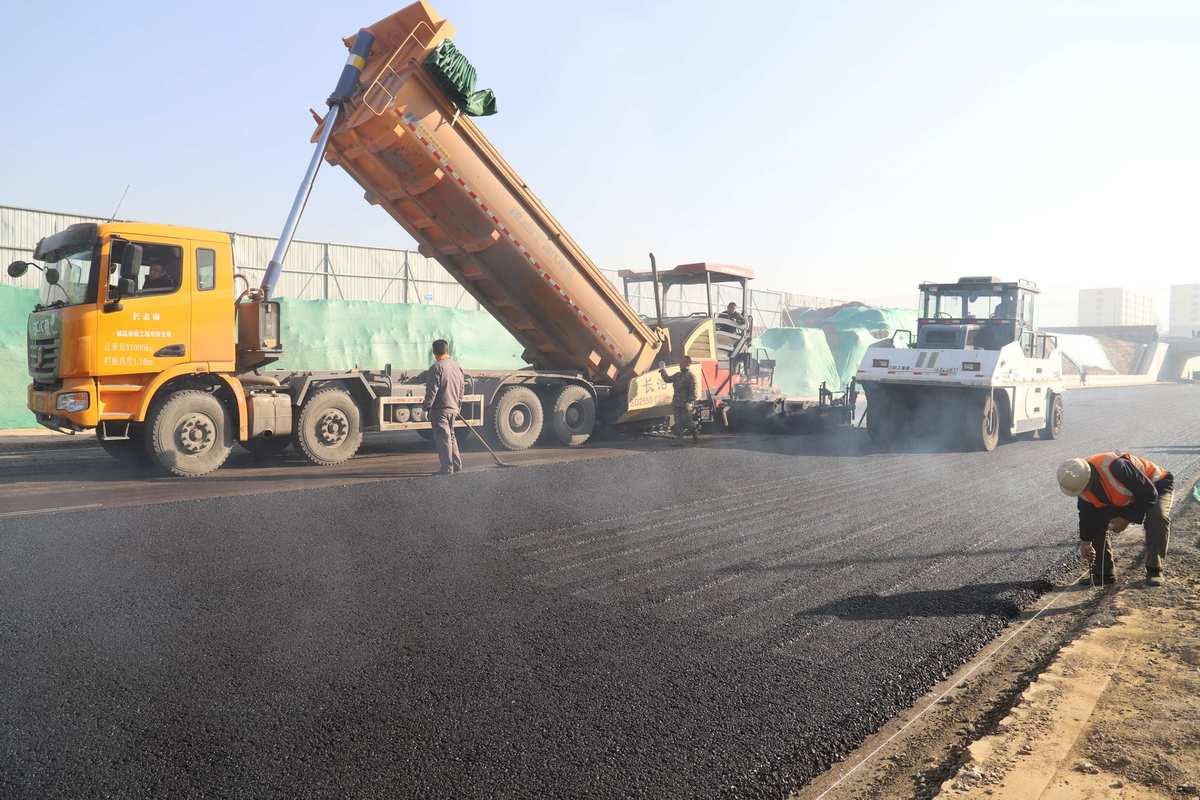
724,620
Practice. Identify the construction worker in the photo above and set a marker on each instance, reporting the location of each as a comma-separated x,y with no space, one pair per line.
159,280
731,313
444,388
1115,489
684,383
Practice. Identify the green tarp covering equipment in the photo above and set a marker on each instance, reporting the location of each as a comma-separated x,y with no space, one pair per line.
457,76
826,345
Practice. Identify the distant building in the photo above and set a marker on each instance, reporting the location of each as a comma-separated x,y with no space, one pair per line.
1185,310
1115,307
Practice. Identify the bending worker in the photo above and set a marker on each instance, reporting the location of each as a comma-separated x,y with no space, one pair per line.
444,388
684,383
1115,489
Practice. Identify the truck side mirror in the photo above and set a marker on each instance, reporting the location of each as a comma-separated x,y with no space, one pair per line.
131,263
17,268
52,276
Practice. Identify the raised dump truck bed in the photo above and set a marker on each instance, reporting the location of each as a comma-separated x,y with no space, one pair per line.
404,140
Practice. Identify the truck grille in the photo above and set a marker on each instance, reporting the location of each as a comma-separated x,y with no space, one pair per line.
43,358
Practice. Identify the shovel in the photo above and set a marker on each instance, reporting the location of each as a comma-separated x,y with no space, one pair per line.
483,442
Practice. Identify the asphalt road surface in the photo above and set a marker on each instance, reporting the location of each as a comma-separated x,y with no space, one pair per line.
721,620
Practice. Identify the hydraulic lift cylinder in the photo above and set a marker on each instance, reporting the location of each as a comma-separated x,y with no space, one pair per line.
342,93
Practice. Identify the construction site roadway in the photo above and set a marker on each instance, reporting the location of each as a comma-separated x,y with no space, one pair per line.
630,619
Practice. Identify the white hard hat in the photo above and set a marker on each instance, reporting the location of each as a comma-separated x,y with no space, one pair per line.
1073,476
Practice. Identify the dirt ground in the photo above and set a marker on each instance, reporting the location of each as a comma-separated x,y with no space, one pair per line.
1117,714
1090,694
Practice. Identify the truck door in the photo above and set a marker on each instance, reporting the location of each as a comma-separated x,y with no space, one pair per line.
151,330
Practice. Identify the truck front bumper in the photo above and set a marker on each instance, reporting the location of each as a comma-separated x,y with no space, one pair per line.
59,409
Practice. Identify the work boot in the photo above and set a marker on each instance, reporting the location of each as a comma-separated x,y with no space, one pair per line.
1096,580
1155,579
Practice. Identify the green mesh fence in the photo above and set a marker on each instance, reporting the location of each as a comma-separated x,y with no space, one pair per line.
15,305
317,334
337,334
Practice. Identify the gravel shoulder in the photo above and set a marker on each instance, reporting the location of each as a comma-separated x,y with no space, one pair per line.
1117,714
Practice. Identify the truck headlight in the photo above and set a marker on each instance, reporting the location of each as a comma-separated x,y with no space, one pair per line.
72,401
970,366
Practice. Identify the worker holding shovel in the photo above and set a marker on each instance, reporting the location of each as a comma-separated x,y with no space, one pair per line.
444,389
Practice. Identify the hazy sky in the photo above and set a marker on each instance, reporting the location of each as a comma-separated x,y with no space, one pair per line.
847,149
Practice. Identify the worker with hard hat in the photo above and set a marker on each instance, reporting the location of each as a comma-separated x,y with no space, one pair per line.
1115,489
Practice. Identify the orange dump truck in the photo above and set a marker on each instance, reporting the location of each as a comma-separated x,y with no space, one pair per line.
139,341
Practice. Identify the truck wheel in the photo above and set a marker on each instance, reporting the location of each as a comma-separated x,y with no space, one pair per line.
131,452
982,423
573,415
267,448
516,418
329,427
189,433
1054,419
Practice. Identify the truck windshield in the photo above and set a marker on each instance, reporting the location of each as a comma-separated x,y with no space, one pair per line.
970,304
75,284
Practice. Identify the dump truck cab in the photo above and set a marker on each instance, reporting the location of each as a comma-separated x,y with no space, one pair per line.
125,308
978,372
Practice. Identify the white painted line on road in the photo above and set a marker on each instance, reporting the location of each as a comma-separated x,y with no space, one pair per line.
34,511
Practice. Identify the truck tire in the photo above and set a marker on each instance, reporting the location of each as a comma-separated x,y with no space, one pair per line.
267,448
573,415
516,418
328,427
188,433
1054,419
131,452
981,422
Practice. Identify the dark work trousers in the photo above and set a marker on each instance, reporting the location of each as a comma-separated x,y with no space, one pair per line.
1158,532
444,440
1157,527
683,419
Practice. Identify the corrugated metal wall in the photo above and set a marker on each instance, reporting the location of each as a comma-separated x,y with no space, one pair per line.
321,270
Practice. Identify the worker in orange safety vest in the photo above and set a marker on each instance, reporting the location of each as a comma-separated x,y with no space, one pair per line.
1115,489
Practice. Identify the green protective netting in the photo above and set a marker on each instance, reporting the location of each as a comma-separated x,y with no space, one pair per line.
317,334
456,75
828,344
1085,352
15,305
338,334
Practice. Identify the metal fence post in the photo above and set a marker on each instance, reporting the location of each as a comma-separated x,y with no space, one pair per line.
325,269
